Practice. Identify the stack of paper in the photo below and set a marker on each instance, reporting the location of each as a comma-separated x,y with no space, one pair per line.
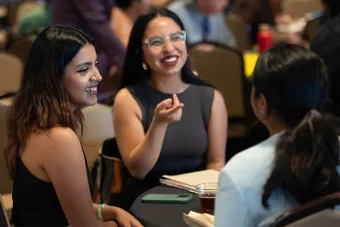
194,219
188,181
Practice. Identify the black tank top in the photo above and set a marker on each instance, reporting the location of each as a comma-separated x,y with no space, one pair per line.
185,143
35,202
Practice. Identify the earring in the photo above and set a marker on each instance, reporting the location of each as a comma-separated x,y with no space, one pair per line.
145,67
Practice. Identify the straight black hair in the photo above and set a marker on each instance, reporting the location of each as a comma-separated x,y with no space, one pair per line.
293,81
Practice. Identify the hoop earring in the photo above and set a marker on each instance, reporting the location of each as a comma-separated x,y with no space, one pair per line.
145,67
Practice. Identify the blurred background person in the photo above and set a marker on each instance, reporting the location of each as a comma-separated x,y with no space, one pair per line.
270,12
94,18
204,20
124,15
326,44
36,20
331,7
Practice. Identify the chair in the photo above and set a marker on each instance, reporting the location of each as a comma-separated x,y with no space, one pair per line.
110,172
4,221
21,48
299,8
311,28
5,182
98,127
319,212
237,26
11,70
223,67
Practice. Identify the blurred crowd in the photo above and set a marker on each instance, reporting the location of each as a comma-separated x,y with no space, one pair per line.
110,22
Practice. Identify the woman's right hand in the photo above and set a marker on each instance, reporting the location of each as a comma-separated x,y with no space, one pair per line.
169,110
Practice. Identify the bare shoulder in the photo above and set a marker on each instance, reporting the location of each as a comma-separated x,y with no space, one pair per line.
218,97
56,136
123,97
61,133
125,103
55,142
219,104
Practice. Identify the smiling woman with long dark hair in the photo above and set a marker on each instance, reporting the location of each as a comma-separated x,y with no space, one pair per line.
166,120
51,181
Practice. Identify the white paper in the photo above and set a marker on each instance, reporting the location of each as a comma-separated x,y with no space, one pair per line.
195,178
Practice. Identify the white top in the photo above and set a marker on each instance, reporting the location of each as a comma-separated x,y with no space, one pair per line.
241,181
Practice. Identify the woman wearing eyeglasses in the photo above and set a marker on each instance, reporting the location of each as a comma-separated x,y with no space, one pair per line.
166,120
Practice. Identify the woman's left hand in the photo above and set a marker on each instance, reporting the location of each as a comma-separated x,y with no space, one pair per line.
125,219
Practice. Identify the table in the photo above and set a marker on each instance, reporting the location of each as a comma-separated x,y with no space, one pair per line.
164,215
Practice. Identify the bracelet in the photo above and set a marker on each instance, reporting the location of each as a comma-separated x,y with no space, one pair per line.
100,211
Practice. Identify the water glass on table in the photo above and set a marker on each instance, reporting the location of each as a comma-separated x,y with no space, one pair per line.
207,194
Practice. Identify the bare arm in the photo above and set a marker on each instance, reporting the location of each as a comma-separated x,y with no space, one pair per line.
140,151
64,164
217,133
123,218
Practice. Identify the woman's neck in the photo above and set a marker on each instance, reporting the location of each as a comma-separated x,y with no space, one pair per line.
275,125
168,84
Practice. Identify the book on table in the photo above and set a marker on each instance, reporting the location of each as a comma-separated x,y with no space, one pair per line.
188,181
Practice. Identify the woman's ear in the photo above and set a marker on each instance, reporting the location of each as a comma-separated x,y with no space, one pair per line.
262,107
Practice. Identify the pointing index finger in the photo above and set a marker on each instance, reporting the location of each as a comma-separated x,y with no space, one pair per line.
176,100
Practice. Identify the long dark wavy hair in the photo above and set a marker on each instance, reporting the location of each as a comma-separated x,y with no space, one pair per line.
293,81
132,71
42,101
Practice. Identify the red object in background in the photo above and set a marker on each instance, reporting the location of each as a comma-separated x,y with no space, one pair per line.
264,38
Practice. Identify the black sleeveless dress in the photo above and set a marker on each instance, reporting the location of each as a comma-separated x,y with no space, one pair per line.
35,202
185,143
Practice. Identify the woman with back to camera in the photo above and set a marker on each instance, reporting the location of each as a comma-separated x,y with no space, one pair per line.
300,161
51,181
166,120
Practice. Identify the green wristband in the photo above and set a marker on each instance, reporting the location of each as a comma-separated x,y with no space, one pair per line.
100,211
